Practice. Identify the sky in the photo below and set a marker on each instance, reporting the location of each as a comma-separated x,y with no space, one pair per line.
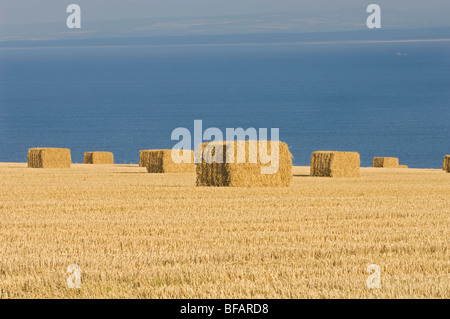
45,11
46,19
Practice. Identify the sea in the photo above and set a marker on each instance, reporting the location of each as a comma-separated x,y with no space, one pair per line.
378,99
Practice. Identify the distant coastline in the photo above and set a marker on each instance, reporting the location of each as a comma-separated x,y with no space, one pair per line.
229,44
83,39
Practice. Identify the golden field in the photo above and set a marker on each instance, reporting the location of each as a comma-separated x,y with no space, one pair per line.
140,235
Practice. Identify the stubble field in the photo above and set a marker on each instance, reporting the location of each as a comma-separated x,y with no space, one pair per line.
140,235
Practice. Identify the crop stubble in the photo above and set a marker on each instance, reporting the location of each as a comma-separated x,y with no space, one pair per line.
139,235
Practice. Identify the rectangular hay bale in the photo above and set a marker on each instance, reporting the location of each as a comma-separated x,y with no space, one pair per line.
143,157
46,157
249,169
98,158
387,162
335,164
160,161
446,163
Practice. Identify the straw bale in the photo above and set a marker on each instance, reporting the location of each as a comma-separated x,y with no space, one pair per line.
43,157
98,158
241,164
335,164
160,161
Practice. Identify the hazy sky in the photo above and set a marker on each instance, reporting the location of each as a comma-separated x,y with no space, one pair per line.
37,11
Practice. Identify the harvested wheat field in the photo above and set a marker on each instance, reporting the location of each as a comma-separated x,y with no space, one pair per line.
139,235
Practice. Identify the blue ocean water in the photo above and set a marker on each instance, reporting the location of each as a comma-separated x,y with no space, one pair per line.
382,99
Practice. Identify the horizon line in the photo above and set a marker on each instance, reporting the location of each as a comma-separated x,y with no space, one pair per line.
228,44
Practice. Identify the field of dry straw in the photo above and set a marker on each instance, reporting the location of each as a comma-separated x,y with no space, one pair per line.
140,235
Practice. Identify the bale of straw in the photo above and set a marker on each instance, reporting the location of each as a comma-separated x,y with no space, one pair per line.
335,164
245,167
387,162
160,161
98,158
403,166
446,162
43,157
142,157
